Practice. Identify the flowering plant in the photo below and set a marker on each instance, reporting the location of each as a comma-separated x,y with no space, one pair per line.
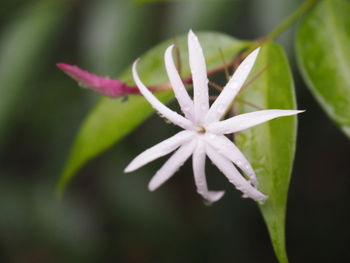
261,80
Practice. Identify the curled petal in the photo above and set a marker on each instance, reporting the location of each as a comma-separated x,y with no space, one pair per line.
198,162
230,151
226,97
199,78
157,105
159,150
171,165
234,177
247,120
181,94
105,86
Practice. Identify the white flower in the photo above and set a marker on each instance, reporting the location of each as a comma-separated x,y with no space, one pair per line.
204,132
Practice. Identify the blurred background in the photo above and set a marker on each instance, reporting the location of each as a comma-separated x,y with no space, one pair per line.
108,216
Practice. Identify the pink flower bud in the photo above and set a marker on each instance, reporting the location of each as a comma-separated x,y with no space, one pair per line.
105,86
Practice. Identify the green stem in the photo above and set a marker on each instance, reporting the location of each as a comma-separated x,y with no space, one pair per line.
291,19
306,5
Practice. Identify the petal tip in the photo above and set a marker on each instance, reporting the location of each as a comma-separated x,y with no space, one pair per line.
257,50
128,169
169,50
137,61
254,54
151,186
192,35
134,71
295,112
216,196
258,197
132,166
262,200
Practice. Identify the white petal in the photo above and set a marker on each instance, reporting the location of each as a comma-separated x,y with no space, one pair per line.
228,149
199,78
159,150
157,105
198,161
172,165
232,174
247,120
181,94
226,97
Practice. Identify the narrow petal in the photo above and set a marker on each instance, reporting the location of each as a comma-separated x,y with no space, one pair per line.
198,160
105,86
172,165
199,78
226,97
159,150
234,177
157,105
247,120
181,94
229,150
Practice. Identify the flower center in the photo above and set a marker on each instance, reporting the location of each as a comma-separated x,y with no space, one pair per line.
201,130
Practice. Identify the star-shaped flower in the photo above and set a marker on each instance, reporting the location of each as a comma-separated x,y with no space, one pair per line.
204,131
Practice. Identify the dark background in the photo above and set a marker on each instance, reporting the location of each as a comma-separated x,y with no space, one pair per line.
109,216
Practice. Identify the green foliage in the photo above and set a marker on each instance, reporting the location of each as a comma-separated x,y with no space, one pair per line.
323,52
112,119
107,35
270,146
21,47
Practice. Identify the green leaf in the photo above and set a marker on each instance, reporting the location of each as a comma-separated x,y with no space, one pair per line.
323,53
270,146
112,119
21,47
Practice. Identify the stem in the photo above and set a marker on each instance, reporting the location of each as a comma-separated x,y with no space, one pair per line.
227,74
257,75
306,5
248,103
215,86
291,19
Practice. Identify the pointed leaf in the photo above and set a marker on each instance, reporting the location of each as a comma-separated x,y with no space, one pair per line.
323,53
270,146
112,119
